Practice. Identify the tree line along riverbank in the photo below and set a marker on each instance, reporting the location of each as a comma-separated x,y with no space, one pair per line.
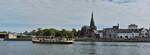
53,32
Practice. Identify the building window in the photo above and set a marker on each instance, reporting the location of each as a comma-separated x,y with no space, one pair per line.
142,36
136,36
126,36
120,36
110,35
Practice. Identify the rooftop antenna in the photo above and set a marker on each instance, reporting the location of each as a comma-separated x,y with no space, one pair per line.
118,24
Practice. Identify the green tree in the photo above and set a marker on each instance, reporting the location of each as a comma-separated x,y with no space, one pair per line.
54,32
64,32
70,34
59,34
33,32
39,32
47,32
74,32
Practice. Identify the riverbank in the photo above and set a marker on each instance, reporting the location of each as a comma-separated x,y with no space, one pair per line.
147,39
19,39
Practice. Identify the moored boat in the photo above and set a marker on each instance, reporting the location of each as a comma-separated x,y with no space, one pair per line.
1,39
52,40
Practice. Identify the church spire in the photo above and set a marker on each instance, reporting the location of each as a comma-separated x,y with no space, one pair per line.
92,23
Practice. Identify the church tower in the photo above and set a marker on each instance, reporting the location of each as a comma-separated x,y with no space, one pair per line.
92,23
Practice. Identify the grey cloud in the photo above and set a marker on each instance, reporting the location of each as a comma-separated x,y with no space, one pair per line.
74,12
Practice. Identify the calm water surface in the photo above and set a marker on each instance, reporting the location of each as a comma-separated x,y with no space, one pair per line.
79,48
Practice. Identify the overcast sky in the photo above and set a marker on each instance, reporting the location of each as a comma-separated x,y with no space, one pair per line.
21,15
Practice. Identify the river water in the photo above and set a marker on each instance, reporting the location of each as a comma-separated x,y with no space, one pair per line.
78,48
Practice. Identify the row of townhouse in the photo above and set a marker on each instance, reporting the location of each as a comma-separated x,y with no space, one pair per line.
131,32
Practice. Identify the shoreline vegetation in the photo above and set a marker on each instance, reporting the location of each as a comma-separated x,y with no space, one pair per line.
52,32
39,32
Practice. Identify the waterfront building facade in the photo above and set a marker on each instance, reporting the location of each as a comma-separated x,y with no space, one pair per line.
131,32
128,33
114,32
110,32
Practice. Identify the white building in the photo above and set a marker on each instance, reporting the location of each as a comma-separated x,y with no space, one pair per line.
128,33
100,34
144,32
12,36
131,32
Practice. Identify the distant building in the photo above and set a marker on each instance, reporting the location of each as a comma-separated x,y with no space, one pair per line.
148,32
133,26
132,32
114,32
110,32
100,32
89,31
144,33
128,33
3,35
12,35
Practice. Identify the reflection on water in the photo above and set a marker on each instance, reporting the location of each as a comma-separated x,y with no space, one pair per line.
118,44
79,48
88,48
113,48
